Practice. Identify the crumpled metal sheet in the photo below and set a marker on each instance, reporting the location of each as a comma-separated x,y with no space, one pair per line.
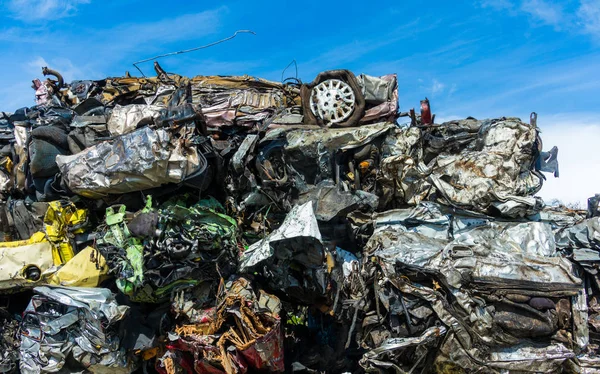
6,181
290,240
330,202
17,260
584,364
317,146
494,270
125,119
26,217
486,166
22,135
489,260
580,320
292,257
374,361
523,358
593,206
383,92
136,161
9,343
242,101
78,322
377,89
582,235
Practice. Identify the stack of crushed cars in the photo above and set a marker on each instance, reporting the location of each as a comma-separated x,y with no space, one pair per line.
238,225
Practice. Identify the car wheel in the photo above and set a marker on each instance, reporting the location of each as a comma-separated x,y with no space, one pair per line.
333,99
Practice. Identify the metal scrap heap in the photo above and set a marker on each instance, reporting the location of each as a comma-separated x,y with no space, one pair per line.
237,225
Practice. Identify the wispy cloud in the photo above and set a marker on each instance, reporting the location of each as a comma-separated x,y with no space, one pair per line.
184,27
337,56
589,17
40,10
34,66
116,39
116,43
551,83
23,35
583,18
73,52
437,87
453,89
548,13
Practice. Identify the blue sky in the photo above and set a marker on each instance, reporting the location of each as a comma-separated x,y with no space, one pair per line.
483,58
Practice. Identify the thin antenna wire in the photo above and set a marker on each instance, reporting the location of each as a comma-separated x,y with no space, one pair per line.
288,65
191,50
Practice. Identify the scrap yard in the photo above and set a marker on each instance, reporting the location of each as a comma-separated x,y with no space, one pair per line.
233,224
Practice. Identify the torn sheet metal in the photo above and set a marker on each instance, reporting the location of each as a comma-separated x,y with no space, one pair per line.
386,356
136,161
241,337
25,218
79,323
292,257
87,269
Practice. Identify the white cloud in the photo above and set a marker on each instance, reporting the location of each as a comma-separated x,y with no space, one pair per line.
585,20
332,56
38,10
184,27
589,17
35,66
452,89
437,87
118,44
548,13
577,139
69,70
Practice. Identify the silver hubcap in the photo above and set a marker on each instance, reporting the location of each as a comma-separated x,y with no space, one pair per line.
332,100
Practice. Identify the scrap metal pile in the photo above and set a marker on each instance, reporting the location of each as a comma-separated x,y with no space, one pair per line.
237,225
